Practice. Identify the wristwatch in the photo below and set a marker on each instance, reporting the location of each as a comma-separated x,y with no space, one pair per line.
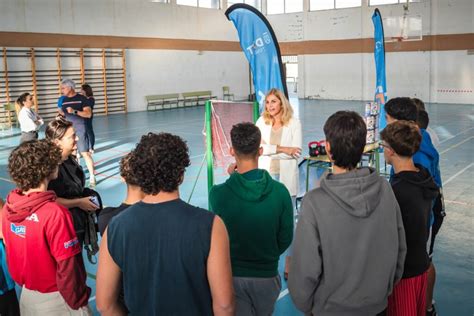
75,112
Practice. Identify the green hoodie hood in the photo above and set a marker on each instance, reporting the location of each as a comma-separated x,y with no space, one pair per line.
251,190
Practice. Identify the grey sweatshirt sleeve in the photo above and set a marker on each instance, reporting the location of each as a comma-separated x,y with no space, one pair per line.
306,261
402,247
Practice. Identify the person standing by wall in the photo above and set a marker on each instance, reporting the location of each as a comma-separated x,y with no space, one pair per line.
86,90
77,110
29,120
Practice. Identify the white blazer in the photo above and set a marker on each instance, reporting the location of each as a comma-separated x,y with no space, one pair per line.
291,137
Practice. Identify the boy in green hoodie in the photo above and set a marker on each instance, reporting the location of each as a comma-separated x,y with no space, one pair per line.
258,214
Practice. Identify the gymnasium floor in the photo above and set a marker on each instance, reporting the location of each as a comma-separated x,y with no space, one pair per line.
117,134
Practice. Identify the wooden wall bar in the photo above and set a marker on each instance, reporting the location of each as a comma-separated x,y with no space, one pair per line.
40,71
360,45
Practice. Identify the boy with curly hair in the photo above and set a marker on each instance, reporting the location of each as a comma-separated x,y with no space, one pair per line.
134,194
43,252
174,257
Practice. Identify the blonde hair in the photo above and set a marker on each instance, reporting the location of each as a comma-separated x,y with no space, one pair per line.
287,110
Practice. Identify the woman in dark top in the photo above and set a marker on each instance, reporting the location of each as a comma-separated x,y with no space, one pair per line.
86,90
69,186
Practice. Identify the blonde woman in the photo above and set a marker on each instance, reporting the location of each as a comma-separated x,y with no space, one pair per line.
30,122
281,142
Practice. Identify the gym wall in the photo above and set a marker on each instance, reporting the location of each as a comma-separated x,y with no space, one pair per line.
172,49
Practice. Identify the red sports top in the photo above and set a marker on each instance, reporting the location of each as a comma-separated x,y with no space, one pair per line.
38,233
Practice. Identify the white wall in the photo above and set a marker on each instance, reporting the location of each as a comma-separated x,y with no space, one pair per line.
148,71
168,71
336,76
352,76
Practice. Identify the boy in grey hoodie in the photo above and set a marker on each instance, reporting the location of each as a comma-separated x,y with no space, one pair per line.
349,248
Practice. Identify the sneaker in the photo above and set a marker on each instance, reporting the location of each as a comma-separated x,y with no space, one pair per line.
432,312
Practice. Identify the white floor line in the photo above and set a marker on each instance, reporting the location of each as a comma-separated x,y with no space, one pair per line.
283,294
92,299
457,174
456,145
452,136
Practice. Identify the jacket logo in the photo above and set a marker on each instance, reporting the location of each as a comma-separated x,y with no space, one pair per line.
19,230
33,217
71,243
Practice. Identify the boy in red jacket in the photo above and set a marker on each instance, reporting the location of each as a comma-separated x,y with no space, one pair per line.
43,253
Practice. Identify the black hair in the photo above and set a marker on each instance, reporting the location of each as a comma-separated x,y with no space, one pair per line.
159,162
22,98
402,109
423,119
346,133
245,138
420,105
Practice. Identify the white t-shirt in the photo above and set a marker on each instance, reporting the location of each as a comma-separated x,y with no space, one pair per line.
27,119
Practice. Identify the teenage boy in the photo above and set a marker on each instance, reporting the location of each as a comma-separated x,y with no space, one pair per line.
174,257
415,190
43,252
428,157
134,194
349,247
258,214
420,105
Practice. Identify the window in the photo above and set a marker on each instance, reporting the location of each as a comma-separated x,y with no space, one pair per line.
160,1
254,3
193,3
315,5
293,6
284,6
213,4
341,4
381,2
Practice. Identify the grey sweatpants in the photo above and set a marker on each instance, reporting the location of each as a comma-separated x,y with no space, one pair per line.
256,296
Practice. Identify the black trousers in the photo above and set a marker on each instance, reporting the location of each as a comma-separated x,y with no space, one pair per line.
9,304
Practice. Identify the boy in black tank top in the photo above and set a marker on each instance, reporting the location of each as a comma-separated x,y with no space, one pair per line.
174,257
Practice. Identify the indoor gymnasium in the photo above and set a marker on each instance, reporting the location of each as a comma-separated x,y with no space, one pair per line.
226,157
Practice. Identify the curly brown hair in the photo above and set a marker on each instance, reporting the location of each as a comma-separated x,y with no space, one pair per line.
32,162
125,171
159,162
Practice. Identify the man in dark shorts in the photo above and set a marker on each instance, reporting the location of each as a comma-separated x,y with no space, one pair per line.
76,109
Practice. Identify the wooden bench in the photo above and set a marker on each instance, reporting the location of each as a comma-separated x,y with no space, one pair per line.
162,101
197,97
